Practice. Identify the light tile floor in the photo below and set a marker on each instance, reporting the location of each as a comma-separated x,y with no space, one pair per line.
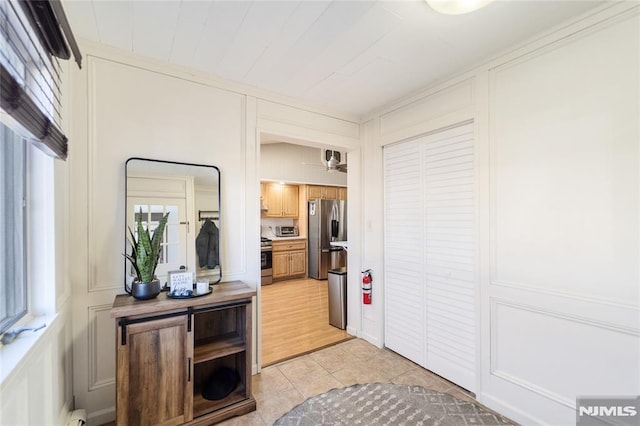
280,387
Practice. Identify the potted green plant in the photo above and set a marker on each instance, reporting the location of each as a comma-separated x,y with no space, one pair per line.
145,253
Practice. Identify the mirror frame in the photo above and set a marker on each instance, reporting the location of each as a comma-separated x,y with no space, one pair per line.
178,163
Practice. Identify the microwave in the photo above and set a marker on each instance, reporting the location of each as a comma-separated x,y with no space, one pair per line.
286,231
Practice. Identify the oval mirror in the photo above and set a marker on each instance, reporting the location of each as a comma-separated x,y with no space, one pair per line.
190,193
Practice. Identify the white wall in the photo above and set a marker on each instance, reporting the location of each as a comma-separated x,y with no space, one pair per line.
557,129
563,248
296,164
369,248
129,106
124,111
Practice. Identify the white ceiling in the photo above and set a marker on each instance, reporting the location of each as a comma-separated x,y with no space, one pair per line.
351,56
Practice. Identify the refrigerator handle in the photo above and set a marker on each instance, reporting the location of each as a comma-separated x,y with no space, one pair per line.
335,226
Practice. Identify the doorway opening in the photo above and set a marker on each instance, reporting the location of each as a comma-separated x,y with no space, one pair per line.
294,306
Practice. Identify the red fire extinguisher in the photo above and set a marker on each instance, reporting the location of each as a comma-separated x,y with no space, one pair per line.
366,287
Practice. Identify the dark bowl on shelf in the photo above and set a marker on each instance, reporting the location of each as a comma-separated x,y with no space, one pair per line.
221,383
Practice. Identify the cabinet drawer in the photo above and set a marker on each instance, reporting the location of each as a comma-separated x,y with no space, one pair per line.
289,245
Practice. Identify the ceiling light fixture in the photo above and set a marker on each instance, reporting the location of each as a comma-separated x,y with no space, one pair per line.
457,7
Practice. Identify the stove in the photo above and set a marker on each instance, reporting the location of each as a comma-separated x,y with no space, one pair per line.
266,270
265,242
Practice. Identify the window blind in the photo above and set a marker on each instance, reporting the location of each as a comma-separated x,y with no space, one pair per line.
30,76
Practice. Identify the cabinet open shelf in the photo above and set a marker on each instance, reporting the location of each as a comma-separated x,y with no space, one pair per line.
218,347
204,372
202,406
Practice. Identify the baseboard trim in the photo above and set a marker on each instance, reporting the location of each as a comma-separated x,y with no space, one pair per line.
102,417
508,410
373,340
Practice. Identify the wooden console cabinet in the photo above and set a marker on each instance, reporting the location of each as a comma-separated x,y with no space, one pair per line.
167,349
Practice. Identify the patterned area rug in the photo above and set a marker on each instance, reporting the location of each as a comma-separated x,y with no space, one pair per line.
388,404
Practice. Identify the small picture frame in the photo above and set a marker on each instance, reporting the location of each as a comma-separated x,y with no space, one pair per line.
181,282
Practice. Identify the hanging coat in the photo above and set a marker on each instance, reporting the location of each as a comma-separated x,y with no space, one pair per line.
207,245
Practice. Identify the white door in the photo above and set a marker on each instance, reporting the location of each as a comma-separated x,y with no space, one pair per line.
174,252
430,262
405,280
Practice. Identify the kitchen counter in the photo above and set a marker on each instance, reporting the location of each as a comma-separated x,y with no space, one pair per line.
288,238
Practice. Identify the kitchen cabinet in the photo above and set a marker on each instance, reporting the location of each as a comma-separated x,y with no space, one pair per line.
281,199
289,259
315,192
342,193
168,349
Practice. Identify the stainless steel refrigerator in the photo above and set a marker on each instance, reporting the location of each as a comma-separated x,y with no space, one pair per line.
327,223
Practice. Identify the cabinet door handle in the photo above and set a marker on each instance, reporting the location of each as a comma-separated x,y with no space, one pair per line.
189,369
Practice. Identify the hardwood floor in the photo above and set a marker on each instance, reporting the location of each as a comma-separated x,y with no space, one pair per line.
295,320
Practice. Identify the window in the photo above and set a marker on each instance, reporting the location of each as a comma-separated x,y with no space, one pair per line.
33,35
31,41
13,276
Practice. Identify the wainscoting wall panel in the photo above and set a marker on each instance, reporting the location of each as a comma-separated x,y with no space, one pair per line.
38,390
587,358
448,105
561,272
101,368
575,161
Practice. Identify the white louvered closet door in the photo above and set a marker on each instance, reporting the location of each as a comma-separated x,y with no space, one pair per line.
404,252
434,293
